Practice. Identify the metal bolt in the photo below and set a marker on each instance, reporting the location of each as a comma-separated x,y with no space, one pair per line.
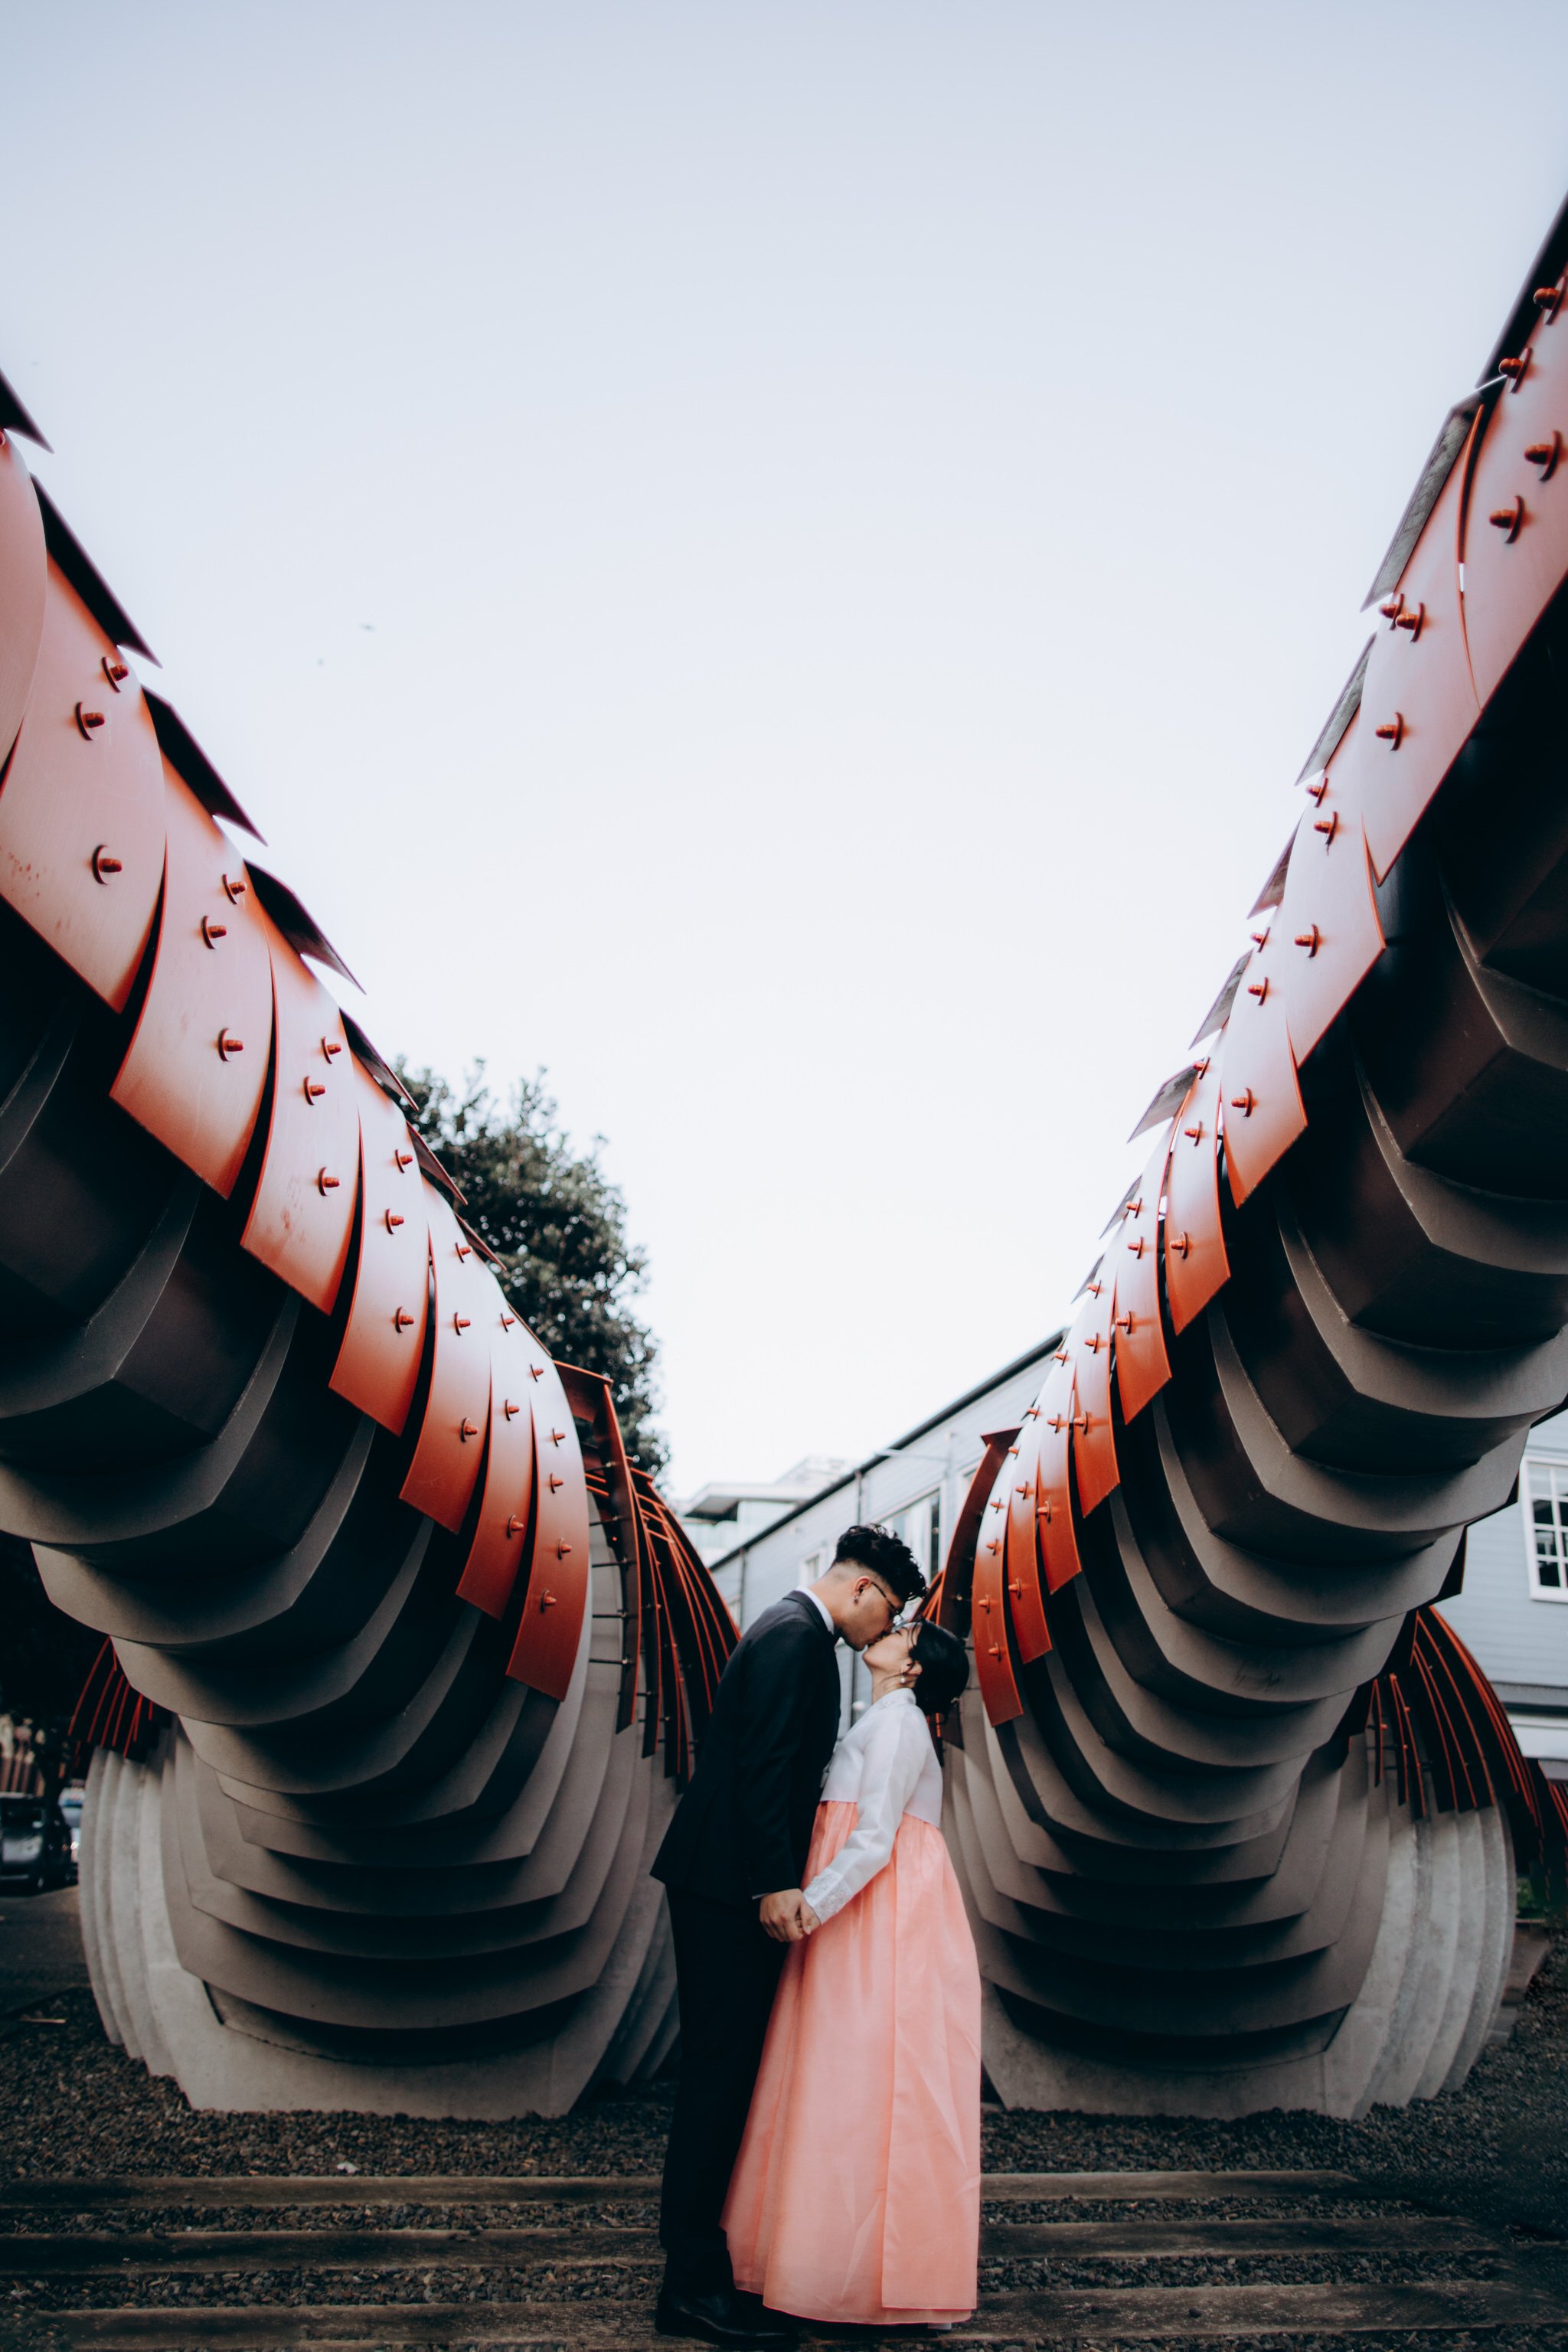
562,1549
1196,1132
115,671
1514,367
1546,298
537,1370
547,1599
507,1321
402,1319
1244,1102
1124,1322
89,722
1545,455
234,887
510,1409
467,1429
1311,939
556,1436
103,866
1046,1510
393,1221
314,1090
1508,519
212,932
1391,730
1139,1246
1390,606
556,1483
461,1322
1328,825
330,1046
1180,1243
228,1044
325,1184
404,1161
1411,619
514,1526
1319,789
1259,988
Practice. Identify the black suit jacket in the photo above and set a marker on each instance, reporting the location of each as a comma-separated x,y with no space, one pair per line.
743,1826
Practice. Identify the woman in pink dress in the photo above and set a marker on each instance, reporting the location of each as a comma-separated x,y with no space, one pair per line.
856,2196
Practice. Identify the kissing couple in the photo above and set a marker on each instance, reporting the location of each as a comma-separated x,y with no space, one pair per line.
824,2159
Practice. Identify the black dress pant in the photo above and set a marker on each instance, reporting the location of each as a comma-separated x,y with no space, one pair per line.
727,1969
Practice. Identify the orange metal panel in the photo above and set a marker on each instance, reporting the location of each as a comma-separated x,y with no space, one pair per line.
1025,1598
1088,1350
196,1067
1327,929
1417,688
23,572
1196,1266
1261,1110
468,1305
993,1651
501,1548
384,1339
1516,517
301,1219
81,809
549,1629
1143,1366
1054,1506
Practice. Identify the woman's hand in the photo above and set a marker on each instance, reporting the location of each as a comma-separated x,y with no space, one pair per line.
787,1917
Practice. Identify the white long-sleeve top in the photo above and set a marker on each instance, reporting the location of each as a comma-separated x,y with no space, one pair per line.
886,1765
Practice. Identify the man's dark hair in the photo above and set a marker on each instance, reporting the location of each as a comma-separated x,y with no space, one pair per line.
884,1556
943,1667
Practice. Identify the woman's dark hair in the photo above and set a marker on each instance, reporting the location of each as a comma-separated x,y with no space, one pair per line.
943,1667
882,1555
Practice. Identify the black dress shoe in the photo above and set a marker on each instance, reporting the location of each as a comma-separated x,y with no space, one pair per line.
721,2317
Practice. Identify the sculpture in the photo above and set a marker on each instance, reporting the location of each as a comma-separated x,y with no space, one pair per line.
399,1632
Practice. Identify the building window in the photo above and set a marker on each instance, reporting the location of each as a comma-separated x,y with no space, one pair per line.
1546,1502
919,1526
811,1568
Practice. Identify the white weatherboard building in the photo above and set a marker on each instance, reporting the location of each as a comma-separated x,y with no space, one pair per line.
1512,1613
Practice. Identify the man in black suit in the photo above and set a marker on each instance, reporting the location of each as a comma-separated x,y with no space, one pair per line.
732,1861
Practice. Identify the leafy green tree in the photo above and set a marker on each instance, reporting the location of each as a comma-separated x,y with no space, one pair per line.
559,1227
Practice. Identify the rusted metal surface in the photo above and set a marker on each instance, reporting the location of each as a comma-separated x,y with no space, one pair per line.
81,808
196,1067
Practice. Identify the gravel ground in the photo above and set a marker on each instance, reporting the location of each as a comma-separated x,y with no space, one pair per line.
1497,2151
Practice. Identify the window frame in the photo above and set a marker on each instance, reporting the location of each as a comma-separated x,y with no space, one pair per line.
1556,1472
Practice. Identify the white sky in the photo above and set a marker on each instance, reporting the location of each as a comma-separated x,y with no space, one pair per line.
861,511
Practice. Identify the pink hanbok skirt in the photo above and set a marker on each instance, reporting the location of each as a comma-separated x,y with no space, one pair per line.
856,2196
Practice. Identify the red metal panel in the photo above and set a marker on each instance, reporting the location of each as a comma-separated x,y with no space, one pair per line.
1196,1266
1143,1366
1516,518
23,572
1261,1109
384,1339
993,1652
1417,688
301,1219
1327,929
545,1649
1088,1351
1025,1599
196,1067
467,1306
501,1546
1054,1504
81,810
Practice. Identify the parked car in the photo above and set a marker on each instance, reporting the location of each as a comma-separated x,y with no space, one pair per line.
35,1845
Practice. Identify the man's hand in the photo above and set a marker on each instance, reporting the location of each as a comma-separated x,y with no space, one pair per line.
787,1917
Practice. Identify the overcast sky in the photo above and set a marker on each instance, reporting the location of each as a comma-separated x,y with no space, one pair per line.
777,560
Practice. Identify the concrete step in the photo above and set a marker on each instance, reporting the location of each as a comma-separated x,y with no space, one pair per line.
27,2254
